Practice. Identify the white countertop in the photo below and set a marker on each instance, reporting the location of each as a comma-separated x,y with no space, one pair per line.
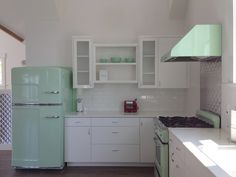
114,114
212,147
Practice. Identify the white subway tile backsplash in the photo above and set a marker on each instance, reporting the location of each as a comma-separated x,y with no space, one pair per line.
111,97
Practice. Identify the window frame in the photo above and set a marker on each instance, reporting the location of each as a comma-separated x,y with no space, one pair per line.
3,57
234,42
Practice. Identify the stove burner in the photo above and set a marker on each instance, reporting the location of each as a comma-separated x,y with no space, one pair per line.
184,122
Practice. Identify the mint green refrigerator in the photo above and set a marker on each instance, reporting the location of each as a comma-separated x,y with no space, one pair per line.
40,98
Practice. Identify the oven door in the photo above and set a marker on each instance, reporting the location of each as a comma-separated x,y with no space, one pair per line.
156,173
162,157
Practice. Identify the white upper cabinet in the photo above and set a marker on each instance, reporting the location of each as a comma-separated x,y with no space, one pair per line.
82,62
127,63
171,74
115,63
148,62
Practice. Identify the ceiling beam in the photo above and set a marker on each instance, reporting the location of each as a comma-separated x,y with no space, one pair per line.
11,33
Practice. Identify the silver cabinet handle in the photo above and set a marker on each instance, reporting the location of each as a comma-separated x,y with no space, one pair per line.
52,117
52,92
89,131
115,150
178,149
141,123
115,122
77,122
172,154
115,132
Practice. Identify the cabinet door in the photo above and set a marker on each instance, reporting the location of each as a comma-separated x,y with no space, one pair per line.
82,62
148,62
176,160
77,144
147,145
115,135
171,74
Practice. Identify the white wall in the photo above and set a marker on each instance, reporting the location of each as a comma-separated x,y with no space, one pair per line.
217,11
15,51
48,26
48,42
193,93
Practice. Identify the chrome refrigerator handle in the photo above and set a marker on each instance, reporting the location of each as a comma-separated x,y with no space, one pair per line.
52,117
52,92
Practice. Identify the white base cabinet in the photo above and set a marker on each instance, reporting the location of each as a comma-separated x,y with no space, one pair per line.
115,153
109,140
115,140
147,145
77,140
182,162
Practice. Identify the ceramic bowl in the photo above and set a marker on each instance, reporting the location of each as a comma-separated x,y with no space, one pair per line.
115,59
129,60
103,60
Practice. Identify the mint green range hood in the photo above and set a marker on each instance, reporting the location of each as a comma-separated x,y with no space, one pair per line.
201,43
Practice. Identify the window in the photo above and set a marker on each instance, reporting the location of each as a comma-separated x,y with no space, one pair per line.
234,42
2,70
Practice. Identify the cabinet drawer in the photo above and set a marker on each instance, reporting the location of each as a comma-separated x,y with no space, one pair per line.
115,135
115,122
178,147
77,122
115,153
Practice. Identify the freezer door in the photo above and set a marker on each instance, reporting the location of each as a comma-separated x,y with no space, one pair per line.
37,136
25,137
40,85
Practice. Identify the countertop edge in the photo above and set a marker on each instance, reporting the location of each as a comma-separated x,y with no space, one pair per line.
117,114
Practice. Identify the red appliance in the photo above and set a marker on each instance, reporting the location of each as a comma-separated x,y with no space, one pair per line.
130,106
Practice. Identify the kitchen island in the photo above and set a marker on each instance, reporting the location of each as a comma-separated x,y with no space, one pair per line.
199,150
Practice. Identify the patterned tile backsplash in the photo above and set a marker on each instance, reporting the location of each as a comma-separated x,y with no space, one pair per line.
111,97
5,118
211,86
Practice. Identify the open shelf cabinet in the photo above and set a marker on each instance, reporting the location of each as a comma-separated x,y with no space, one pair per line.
119,71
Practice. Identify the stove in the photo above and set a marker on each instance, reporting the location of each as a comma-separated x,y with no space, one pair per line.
184,122
203,119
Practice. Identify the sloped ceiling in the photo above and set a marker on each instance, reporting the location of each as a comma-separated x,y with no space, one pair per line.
178,9
14,14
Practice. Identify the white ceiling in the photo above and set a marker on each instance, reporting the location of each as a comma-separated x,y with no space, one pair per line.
14,14
178,8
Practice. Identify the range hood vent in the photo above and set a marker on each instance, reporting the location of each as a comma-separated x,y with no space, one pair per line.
201,43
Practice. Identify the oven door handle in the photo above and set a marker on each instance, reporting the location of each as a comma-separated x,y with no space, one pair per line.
158,141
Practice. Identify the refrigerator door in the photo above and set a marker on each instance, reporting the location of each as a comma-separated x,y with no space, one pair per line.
36,85
25,139
37,136
51,137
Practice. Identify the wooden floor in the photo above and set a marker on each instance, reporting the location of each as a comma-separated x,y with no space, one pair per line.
7,171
